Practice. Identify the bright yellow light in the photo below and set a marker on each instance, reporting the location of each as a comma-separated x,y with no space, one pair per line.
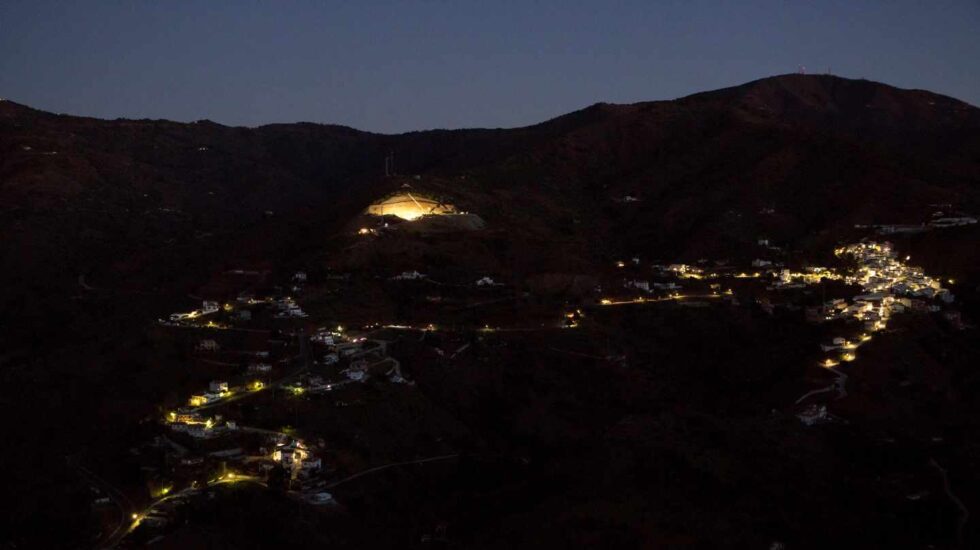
605,301
340,328
197,400
135,516
829,363
409,206
363,231
172,416
620,264
848,357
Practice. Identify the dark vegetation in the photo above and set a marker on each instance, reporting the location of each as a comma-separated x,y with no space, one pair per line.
108,225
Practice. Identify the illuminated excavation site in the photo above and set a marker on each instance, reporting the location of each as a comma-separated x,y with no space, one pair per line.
420,213
409,205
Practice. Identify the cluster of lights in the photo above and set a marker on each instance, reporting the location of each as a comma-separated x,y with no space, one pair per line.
880,271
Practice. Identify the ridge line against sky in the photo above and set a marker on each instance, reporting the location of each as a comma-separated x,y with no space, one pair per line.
395,66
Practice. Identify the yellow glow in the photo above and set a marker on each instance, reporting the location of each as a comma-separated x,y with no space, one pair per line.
363,231
605,301
620,264
197,400
172,416
829,363
135,516
848,357
409,206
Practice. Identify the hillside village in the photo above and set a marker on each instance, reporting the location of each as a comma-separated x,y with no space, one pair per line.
205,441
256,333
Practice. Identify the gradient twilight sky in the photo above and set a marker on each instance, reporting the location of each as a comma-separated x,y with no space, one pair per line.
412,65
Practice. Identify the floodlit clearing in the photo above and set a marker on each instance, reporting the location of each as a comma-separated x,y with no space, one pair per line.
410,206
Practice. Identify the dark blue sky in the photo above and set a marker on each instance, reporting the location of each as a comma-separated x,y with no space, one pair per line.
397,66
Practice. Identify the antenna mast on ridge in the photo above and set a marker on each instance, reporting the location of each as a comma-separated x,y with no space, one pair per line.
390,164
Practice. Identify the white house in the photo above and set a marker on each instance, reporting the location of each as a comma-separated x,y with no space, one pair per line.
321,498
813,415
208,345
409,276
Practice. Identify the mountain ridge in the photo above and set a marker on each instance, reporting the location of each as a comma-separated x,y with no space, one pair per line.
822,152
769,82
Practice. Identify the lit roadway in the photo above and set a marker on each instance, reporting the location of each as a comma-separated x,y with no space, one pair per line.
643,300
122,502
303,358
137,518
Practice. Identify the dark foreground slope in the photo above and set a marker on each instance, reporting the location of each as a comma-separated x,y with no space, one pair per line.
108,225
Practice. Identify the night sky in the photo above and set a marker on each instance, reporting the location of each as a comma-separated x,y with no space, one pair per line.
399,66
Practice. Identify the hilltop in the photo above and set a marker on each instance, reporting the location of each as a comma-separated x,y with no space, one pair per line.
109,225
812,154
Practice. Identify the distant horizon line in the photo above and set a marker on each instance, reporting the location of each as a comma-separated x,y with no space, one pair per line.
487,128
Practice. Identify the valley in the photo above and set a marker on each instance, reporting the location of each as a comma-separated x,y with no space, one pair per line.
744,315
